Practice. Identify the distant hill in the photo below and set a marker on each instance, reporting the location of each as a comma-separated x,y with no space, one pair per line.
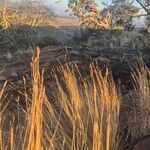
73,21
66,21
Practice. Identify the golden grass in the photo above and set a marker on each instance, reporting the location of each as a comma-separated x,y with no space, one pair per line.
78,113
92,108
139,123
34,124
1,112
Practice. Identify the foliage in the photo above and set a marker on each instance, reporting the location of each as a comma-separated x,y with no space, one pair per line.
123,13
45,41
114,39
21,23
145,4
89,15
119,13
19,37
20,13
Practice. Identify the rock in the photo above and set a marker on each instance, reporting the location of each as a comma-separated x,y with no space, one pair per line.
13,74
146,56
74,52
142,144
3,78
103,59
9,56
2,75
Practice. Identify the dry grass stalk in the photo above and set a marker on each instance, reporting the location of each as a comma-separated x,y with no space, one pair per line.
83,114
1,113
94,108
140,122
34,127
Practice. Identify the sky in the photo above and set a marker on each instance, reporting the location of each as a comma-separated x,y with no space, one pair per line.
60,7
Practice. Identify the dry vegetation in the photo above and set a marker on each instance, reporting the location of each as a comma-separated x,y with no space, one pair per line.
140,121
20,13
68,110
92,19
19,30
81,114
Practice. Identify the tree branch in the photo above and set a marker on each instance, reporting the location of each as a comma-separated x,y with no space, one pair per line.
144,7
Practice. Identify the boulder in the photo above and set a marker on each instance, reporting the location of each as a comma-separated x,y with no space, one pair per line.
142,143
3,78
2,75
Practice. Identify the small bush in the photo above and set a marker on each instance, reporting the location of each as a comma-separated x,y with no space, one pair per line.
114,39
20,37
45,41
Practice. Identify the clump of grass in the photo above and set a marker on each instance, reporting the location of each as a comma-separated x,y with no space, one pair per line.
77,113
92,109
34,125
80,115
114,39
1,113
45,41
139,122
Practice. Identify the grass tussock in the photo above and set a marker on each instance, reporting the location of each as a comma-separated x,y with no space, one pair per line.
1,113
92,109
81,115
139,122
77,113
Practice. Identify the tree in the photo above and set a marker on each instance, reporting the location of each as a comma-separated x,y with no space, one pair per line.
88,13
34,11
119,13
30,12
145,4
123,13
